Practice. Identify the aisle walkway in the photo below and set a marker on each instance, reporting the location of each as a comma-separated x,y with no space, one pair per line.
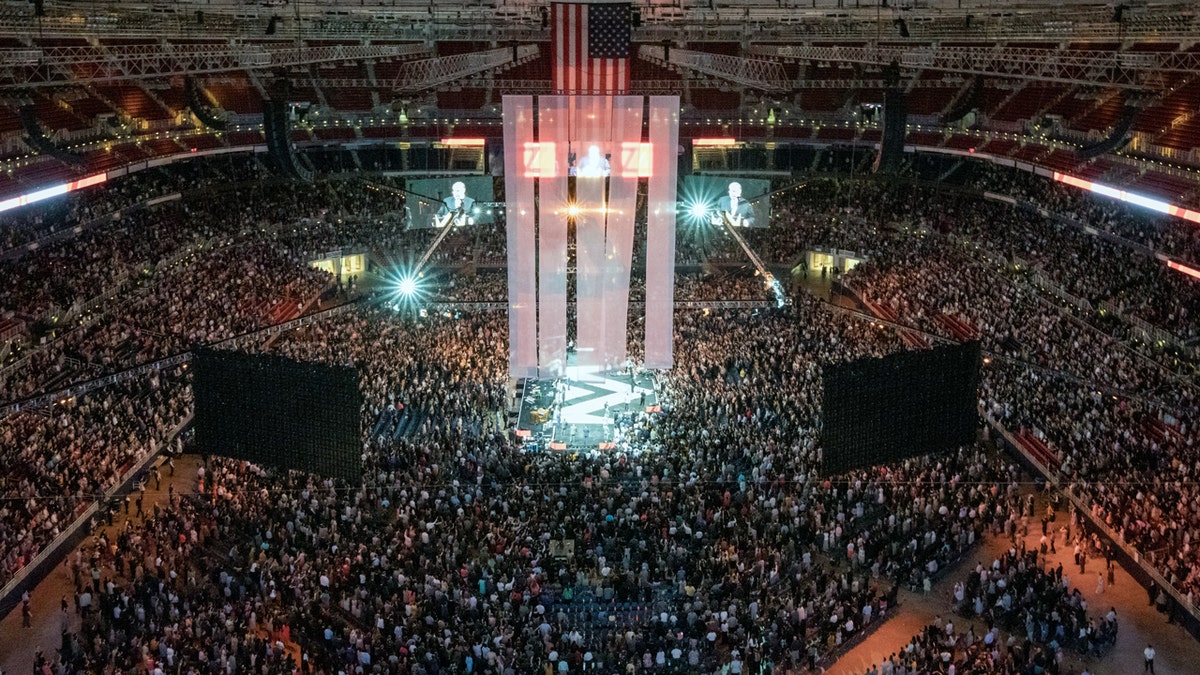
1178,652
18,646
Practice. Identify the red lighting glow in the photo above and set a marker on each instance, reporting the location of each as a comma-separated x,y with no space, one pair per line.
1191,272
637,159
532,160
53,191
543,160
1129,197
463,142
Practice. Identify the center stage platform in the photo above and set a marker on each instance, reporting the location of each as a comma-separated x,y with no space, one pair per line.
584,411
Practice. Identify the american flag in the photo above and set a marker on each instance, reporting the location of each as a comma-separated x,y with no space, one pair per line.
591,43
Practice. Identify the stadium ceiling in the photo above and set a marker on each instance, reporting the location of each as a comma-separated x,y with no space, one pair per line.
71,65
521,20
419,75
1110,68
213,36
753,73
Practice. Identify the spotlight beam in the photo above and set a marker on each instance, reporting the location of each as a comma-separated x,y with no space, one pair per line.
432,247
769,278
438,240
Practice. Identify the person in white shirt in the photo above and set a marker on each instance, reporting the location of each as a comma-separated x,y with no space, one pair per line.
1149,653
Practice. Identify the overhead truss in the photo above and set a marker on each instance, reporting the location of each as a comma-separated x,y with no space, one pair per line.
646,87
1066,66
753,73
56,66
429,73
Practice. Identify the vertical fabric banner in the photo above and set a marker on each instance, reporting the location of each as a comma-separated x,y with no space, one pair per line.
660,235
521,227
553,129
590,142
618,242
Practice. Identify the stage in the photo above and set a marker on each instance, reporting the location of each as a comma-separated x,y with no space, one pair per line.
584,411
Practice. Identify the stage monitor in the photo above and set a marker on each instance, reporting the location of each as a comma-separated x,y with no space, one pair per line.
454,202
715,200
274,411
877,411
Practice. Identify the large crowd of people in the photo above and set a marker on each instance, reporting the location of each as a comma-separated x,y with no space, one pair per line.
60,462
1021,597
711,540
1119,422
943,648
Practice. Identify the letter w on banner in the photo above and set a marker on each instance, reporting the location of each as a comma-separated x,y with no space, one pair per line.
591,42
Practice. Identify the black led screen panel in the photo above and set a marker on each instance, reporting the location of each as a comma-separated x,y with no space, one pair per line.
274,411
878,411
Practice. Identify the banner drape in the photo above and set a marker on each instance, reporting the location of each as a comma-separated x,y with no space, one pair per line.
553,129
660,232
590,142
622,210
520,227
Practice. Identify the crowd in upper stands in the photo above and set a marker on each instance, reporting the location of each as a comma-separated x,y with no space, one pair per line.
711,541
1118,422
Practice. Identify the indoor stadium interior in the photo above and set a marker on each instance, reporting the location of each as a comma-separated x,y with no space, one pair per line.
516,337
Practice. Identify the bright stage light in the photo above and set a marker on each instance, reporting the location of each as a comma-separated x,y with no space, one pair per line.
408,287
573,210
697,210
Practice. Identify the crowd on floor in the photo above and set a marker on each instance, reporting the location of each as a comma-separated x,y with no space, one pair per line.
711,541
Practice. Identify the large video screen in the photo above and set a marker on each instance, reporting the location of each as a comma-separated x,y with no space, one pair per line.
449,202
877,411
274,411
715,200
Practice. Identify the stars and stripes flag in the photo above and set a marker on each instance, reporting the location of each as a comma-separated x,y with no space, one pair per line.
590,46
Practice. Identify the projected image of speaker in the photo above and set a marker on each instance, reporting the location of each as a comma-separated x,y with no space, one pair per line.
720,200
449,202
877,411
277,412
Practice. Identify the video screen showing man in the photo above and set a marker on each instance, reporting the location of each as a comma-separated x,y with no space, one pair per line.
733,208
457,209
449,202
720,201
593,164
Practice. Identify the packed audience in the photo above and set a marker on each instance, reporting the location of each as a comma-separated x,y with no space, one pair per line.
710,541
1016,594
1118,423
943,648
60,462
387,574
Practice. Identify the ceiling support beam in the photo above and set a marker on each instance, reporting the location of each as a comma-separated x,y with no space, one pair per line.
762,74
430,73
58,66
1126,69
